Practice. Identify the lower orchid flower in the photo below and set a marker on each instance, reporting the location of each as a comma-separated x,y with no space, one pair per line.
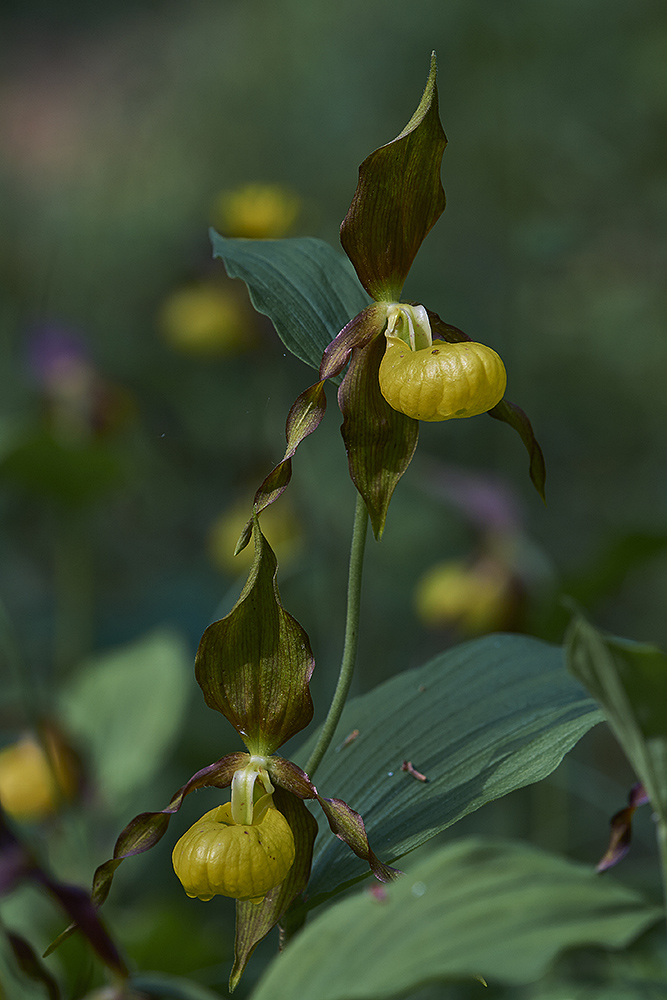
254,666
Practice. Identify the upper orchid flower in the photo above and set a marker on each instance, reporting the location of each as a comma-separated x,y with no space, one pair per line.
404,364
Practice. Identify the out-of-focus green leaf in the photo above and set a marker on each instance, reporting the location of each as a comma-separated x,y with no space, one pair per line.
398,200
607,569
126,708
631,988
307,289
478,907
254,665
480,720
629,680
73,474
165,987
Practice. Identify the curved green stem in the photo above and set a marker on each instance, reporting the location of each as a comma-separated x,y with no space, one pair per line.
351,636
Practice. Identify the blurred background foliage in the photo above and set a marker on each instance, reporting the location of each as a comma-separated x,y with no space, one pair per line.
143,401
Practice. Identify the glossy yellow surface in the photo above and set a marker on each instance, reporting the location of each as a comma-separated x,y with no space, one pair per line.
443,381
217,857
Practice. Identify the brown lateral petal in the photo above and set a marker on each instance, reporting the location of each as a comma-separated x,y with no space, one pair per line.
291,777
621,829
254,921
303,418
380,441
146,829
349,826
508,412
254,665
357,333
513,415
399,198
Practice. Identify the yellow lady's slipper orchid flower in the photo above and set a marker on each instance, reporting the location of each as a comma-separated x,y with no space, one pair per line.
431,380
220,857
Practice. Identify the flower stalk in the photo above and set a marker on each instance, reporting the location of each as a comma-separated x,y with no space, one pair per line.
357,548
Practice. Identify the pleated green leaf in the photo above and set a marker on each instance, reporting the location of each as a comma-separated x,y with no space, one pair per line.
629,680
308,290
398,200
479,721
478,907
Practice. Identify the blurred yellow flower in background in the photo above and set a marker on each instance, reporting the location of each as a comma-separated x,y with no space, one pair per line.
206,320
256,211
473,598
279,524
32,784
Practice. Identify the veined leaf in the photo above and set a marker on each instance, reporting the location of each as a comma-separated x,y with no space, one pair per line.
629,680
479,721
308,290
473,908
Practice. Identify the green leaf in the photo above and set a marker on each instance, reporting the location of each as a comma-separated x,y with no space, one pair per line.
126,708
480,720
307,289
73,474
255,664
629,680
380,441
474,908
163,986
398,200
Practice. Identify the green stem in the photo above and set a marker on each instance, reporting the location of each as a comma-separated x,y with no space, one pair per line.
351,636
662,846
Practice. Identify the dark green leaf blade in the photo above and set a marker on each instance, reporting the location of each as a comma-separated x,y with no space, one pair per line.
398,200
473,908
380,441
629,680
480,720
306,288
255,664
